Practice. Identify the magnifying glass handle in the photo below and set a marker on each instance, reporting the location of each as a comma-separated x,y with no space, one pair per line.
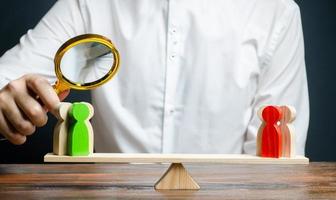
60,87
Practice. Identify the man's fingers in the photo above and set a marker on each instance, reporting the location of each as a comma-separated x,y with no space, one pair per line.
32,109
14,116
21,111
9,133
44,91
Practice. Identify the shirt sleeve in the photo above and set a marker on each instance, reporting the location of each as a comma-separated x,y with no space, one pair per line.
283,80
36,50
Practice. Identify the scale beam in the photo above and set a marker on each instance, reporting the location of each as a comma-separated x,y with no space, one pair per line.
174,158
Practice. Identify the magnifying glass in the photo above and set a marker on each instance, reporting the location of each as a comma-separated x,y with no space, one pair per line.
85,62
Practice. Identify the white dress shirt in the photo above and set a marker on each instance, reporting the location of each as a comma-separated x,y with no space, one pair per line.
193,72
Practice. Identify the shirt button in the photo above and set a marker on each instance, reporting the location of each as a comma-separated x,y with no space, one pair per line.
173,31
172,57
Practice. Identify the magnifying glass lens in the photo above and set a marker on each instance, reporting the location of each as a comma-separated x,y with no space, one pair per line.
87,63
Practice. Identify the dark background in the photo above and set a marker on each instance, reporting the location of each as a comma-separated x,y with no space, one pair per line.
319,23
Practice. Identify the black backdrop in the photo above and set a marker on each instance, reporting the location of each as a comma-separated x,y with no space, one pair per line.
319,23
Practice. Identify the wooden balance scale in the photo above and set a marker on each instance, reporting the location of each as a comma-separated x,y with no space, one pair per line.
176,177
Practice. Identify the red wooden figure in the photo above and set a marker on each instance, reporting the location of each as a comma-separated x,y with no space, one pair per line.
271,144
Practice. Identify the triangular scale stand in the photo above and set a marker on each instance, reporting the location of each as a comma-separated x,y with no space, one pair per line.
176,178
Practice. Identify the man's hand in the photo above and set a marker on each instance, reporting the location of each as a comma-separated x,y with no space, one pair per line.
21,112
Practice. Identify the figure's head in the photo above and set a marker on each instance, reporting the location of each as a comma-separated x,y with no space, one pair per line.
81,111
271,114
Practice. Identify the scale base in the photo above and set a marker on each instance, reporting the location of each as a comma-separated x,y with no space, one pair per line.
176,178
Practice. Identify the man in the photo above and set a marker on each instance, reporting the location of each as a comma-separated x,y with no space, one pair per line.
192,77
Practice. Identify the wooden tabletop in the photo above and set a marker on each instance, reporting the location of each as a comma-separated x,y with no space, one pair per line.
135,181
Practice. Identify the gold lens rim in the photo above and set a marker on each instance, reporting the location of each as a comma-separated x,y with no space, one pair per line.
64,82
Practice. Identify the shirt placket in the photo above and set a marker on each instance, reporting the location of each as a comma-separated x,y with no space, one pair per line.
172,69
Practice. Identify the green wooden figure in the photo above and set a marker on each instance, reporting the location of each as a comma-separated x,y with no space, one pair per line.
80,135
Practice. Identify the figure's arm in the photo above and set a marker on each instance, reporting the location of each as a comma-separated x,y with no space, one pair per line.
283,80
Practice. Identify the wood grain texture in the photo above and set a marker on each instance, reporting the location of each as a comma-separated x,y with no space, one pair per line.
174,158
128,181
60,137
176,178
287,131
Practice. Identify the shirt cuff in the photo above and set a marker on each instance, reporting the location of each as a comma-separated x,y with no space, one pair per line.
3,82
